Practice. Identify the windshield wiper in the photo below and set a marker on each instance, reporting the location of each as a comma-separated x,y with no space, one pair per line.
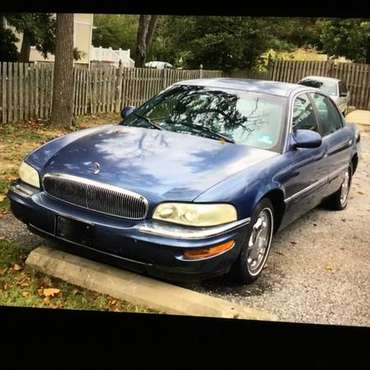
215,133
148,120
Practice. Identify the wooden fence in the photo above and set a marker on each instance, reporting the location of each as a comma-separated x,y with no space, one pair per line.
355,75
26,88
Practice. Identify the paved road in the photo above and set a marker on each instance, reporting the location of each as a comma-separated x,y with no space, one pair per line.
319,267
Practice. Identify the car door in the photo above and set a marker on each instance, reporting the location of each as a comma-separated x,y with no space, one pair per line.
306,172
337,137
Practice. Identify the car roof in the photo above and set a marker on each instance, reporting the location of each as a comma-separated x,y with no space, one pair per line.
260,86
321,78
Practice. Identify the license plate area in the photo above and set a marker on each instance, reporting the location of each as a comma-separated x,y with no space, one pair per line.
74,231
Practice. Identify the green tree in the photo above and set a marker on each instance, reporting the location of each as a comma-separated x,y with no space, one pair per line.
38,30
115,31
8,50
348,38
229,42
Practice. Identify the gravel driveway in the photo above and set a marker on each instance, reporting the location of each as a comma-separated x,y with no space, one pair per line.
319,267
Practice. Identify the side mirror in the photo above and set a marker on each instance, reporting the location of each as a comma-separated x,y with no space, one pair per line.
126,111
306,139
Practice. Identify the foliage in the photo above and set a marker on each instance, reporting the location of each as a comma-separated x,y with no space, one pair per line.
8,50
39,27
349,38
228,42
115,31
215,42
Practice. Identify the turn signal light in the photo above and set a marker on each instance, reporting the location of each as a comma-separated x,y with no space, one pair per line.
208,252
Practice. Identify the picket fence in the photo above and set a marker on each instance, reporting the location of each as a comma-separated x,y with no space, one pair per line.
26,88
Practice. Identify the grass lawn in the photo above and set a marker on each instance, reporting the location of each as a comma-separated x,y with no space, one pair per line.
19,285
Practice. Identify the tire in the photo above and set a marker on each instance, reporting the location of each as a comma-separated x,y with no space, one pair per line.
243,271
339,200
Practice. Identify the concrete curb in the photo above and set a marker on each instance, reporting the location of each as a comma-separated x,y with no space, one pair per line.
136,289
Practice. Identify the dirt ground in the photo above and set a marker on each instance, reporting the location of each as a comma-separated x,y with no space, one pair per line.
319,267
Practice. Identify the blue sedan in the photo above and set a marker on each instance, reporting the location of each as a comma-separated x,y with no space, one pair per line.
195,182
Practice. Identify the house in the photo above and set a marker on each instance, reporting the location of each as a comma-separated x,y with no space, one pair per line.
82,40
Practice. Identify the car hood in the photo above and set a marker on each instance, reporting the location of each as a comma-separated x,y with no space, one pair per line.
158,164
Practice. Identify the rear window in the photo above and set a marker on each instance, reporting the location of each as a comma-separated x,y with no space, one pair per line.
327,87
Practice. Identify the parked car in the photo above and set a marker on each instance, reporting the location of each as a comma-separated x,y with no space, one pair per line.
333,87
158,65
195,182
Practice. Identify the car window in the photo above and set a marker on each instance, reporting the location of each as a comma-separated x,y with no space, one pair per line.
330,119
328,87
303,114
247,118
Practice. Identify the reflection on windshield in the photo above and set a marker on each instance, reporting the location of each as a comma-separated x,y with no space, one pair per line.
240,117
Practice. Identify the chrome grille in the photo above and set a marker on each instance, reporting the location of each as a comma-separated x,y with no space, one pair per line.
96,196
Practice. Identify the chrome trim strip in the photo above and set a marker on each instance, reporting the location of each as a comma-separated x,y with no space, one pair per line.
109,187
336,172
23,190
190,233
315,184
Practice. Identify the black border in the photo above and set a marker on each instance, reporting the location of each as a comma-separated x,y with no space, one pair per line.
296,8
67,339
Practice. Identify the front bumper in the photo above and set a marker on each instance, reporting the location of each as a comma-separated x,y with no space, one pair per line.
146,247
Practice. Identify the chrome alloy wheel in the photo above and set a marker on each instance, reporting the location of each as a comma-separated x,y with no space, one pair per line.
344,190
260,241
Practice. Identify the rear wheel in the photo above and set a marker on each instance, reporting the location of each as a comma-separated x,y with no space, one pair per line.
339,199
255,251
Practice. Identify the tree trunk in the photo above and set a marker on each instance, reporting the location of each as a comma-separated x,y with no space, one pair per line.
24,55
142,31
147,24
62,107
151,29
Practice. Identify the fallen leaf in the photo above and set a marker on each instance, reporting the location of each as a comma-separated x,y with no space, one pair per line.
3,271
292,242
17,267
25,284
2,197
328,268
40,292
25,294
360,192
314,224
46,301
343,220
51,292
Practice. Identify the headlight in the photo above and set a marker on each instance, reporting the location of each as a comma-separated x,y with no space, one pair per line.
192,214
29,175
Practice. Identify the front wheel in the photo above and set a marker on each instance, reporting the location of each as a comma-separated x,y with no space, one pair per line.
255,251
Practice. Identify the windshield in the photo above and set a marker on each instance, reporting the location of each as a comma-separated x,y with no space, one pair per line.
327,87
235,116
